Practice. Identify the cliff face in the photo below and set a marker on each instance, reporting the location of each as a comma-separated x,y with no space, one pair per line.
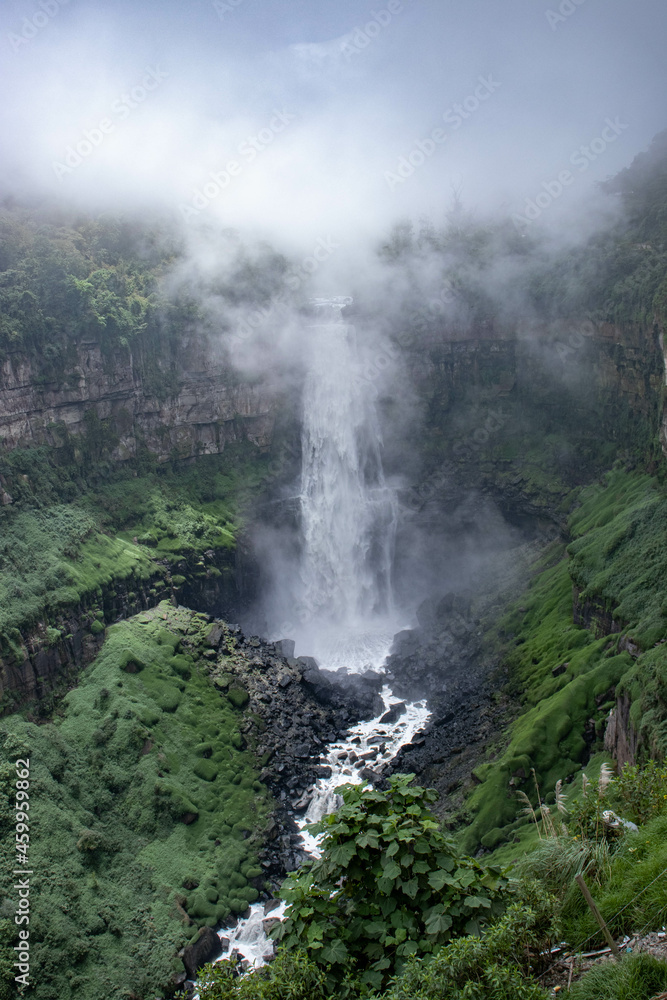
105,396
566,398
663,426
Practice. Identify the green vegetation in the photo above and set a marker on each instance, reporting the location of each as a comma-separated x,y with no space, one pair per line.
118,537
64,279
388,885
639,977
566,677
388,892
131,827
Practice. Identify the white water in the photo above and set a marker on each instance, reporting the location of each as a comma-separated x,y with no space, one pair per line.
347,770
348,513
248,938
348,517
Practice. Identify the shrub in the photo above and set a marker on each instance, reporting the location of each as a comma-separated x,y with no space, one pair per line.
643,789
292,976
557,860
388,885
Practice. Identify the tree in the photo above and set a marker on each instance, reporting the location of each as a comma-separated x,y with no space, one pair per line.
388,885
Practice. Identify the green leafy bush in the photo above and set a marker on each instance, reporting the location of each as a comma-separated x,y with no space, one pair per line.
292,976
642,789
388,885
493,966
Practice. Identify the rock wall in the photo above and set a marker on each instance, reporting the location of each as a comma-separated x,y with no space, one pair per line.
35,663
594,381
206,408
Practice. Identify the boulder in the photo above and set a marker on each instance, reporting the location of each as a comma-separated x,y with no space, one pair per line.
206,948
394,713
285,647
307,663
214,635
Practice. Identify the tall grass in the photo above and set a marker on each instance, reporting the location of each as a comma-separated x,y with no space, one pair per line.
637,977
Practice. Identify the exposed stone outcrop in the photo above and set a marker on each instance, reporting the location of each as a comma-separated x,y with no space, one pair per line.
289,723
46,657
620,738
209,409
205,949
593,615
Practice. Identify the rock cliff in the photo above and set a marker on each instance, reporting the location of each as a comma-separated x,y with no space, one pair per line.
105,397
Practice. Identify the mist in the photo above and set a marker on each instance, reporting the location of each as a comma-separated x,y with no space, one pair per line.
426,159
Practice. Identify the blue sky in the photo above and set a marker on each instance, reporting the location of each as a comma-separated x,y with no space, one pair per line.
339,102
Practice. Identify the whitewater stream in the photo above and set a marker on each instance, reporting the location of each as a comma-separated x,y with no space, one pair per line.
348,524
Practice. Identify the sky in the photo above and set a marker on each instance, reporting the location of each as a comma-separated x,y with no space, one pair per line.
304,121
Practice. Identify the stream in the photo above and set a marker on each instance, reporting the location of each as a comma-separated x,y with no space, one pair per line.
368,744
348,520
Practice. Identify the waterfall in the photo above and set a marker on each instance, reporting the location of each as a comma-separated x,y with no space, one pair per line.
346,610
348,512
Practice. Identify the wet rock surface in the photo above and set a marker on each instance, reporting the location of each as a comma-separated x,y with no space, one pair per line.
293,711
443,661
205,949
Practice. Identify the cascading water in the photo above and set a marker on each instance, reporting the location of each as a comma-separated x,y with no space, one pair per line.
348,522
348,513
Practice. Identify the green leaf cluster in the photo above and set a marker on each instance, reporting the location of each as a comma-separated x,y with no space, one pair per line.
389,885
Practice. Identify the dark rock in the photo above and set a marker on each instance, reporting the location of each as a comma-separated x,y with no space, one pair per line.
557,671
215,635
394,713
285,647
307,662
270,905
205,949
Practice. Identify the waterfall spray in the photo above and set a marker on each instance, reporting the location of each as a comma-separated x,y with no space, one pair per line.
348,512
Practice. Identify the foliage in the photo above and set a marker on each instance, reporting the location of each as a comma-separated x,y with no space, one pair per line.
631,893
122,821
642,788
387,886
557,860
637,977
493,966
292,976
587,813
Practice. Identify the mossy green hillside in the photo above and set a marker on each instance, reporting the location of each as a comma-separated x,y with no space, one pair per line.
149,526
566,678
145,806
619,552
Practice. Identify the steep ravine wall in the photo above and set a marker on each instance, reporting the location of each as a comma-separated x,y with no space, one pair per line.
539,382
591,383
210,408
44,658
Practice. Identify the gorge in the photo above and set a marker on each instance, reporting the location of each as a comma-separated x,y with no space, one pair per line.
438,521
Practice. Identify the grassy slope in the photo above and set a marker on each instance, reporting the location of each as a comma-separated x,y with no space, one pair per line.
111,780
132,525
619,546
